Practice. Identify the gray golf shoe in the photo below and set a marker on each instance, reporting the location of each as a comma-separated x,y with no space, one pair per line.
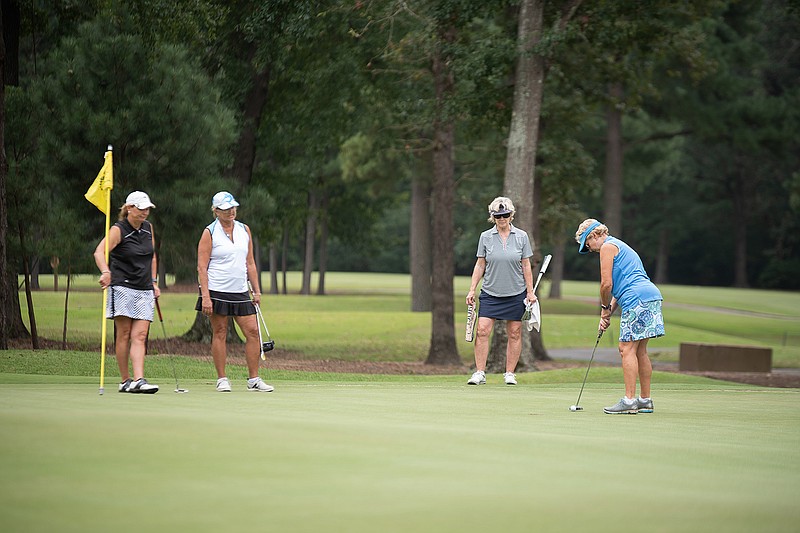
622,408
645,405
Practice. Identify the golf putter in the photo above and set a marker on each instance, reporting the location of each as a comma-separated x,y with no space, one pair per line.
577,406
178,389
263,346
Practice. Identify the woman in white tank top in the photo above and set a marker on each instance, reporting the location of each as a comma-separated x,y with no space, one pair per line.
225,264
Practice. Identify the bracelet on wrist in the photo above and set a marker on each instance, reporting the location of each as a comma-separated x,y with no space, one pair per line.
606,307
155,280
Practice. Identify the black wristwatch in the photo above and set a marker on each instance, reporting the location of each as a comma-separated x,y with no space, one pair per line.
606,307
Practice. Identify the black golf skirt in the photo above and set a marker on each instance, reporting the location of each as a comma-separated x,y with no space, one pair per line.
228,303
502,307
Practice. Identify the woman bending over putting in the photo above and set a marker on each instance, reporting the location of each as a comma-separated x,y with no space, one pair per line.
624,284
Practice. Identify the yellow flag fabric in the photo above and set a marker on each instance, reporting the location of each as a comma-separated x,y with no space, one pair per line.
100,191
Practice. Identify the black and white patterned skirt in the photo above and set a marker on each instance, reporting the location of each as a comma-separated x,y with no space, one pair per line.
134,303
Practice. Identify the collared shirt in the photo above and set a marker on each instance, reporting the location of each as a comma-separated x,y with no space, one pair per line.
503,276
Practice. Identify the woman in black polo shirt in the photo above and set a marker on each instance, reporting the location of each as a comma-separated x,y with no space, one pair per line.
133,288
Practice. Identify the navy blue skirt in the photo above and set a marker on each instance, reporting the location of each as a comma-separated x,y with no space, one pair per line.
502,307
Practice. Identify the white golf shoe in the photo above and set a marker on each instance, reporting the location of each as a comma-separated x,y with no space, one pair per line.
478,378
223,385
510,378
258,385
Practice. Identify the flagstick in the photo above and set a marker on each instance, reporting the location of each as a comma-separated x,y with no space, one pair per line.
103,327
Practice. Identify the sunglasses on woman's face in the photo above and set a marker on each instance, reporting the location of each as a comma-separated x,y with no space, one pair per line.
505,215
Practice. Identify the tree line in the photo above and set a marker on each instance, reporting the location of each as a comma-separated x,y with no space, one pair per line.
369,135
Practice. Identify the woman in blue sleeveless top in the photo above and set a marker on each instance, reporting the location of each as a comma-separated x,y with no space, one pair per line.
624,284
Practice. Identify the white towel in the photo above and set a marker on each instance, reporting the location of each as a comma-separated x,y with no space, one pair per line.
535,318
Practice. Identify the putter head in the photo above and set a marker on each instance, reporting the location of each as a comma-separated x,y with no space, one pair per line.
574,408
181,391
267,346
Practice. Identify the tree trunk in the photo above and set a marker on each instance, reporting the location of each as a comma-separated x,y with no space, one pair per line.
54,261
201,331
15,327
5,287
662,257
420,245
310,241
284,253
523,134
29,298
252,109
443,349
499,345
523,143
273,268
556,267
66,307
257,259
612,189
323,244
741,199
33,271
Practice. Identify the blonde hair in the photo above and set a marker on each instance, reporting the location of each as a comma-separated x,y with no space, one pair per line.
495,206
599,230
123,212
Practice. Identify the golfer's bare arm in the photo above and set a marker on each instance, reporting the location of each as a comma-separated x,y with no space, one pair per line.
527,273
203,257
607,253
114,236
154,265
477,275
252,271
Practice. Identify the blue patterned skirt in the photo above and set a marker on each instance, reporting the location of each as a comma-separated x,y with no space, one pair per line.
642,321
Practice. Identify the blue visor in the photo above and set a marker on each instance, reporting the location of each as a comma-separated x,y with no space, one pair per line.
582,243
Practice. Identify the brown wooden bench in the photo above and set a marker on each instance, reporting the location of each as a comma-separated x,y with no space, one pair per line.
696,357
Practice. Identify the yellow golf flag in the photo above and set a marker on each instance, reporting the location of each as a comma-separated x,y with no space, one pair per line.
100,191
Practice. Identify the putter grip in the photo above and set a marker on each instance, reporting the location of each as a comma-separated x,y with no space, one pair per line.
470,333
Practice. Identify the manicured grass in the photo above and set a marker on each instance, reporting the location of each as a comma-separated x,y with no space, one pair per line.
403,454
368,317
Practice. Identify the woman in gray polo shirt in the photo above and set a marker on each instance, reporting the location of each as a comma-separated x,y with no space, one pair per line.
504,265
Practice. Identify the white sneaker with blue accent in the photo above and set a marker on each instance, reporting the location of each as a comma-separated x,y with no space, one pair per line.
623,407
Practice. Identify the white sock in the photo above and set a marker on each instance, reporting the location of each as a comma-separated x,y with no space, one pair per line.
628,400
252,380
644,399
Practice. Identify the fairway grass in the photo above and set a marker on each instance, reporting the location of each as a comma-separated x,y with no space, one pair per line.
400,454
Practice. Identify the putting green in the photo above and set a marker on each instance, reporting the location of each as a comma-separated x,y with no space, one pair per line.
358,456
